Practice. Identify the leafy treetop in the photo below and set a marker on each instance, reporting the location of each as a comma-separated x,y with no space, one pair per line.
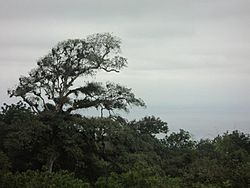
50,86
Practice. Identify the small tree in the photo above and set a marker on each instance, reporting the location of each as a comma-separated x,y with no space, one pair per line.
50,86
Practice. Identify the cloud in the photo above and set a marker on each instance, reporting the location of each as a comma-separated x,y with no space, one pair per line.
89,9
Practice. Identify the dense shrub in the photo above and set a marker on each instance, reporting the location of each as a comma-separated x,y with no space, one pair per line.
35,179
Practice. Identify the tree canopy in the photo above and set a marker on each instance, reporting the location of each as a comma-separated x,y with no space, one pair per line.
50,86
104,152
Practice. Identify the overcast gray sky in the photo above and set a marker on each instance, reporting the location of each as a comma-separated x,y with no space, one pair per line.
188,59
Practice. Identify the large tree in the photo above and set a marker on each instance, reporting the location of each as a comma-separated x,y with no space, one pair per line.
51,86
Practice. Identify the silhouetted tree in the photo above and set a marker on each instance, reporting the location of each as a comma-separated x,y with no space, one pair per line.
50,86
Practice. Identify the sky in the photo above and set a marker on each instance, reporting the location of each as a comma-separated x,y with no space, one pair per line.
188,59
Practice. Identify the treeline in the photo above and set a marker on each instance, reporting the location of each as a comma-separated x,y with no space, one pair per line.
51,149
49,145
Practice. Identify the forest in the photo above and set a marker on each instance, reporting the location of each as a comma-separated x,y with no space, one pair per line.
47,142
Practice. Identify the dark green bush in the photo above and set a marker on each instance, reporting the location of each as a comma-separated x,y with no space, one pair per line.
35,179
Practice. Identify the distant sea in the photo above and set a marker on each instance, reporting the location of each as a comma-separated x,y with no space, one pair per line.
201,122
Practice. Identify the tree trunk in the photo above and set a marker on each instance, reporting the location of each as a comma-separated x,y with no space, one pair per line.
51,162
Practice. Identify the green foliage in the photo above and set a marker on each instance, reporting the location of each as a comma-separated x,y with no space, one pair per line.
181,140
21,136
150,125
15,113
138,177
179,151
222,162
206,171
113,152
5,164
35,179
141,176
50,86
